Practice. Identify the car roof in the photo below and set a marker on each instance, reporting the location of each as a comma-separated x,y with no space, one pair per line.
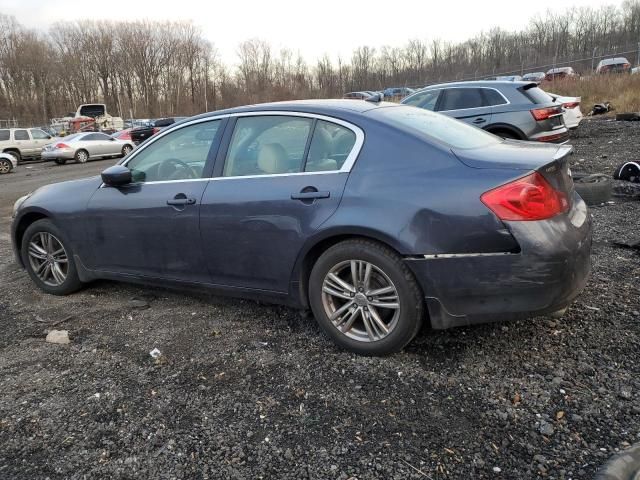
327,107
611,61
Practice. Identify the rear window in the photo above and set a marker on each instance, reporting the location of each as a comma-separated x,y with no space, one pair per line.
452,132
537,95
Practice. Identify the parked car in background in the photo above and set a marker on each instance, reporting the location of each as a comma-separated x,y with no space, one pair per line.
635,70
572,112
82,147
534,77
509,78
516,110
560,73
7,163
233,201
23,143
397,92
613,65
357,95
122,134
140,134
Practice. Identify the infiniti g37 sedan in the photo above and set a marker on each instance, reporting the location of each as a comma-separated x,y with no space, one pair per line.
376,216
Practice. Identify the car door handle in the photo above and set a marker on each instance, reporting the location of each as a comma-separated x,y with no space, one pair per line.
479,120
179,202
310,195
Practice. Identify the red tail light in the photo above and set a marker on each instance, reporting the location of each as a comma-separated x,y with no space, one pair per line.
570,105
528,198
544,113
61,145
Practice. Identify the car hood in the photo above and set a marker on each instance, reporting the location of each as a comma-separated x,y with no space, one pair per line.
63,197
511,154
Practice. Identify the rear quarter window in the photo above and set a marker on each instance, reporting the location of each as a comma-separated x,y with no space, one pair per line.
449,131
537,95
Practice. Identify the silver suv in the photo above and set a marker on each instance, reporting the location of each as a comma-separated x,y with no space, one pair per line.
23,142
516,110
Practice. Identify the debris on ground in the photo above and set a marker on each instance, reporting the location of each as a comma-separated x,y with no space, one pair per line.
155,353
628,117
58,336
138,303
629,171
600,108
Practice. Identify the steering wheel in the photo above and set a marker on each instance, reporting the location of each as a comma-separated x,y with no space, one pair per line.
176,167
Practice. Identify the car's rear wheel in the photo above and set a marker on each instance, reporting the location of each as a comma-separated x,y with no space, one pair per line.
5,166
126,150
365,298
48,258
60,161
81,156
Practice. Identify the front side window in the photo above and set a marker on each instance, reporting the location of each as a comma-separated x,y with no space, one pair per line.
38,134
21,135
426,99
267,145
178,155
330,146
461,98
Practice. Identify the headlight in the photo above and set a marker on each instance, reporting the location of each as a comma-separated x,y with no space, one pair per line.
18,203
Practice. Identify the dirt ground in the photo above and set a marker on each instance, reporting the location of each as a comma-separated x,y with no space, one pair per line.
248,391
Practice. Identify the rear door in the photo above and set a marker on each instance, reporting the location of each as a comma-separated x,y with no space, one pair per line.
465,103
281,177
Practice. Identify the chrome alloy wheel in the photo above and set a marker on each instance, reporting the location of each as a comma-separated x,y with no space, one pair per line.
48,259
361,300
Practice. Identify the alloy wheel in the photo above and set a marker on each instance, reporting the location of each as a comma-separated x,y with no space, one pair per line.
5,166
82,156
361,300
126,150
48,259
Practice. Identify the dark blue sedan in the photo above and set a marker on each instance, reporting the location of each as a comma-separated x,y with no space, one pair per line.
376,216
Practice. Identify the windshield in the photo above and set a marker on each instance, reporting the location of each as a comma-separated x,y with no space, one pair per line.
452,132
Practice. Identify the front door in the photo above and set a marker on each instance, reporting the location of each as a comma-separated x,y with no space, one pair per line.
151,227
283,176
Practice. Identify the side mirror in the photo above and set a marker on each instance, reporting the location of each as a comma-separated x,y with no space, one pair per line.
116,176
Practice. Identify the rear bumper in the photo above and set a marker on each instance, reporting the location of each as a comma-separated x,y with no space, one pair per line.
560,135
547,274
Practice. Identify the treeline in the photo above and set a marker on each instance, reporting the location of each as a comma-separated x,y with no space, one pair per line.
150,69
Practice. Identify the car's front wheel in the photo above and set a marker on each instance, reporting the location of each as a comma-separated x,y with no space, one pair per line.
48,259
365,298
5,166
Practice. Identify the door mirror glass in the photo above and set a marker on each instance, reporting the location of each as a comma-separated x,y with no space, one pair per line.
116,176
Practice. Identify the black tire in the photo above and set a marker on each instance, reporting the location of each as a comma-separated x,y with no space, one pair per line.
81,156
629,171
72,282
506,135
16,155
126,150
594,189
410,297
60,161
5,166
628,117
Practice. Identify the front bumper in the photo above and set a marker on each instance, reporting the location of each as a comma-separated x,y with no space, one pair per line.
550,270
66,154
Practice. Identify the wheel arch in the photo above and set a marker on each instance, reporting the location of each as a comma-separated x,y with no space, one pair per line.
319,244
25,221
495,128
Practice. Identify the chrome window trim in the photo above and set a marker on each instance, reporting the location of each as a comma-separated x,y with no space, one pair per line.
346,166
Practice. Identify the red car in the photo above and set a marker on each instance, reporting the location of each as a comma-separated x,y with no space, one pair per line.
122,134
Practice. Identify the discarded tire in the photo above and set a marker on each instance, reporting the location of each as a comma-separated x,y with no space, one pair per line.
629,171
594,189
628,117
624,466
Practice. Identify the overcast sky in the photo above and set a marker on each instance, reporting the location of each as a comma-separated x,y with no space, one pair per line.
313,27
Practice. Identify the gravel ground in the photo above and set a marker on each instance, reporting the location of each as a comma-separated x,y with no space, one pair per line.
246,391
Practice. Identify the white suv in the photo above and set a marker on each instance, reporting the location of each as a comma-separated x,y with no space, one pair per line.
23,142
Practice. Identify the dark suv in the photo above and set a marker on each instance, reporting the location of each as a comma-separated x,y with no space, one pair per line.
517,110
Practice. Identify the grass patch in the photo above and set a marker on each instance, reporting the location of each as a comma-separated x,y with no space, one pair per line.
622,91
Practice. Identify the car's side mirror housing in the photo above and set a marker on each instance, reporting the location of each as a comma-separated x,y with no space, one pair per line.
116,176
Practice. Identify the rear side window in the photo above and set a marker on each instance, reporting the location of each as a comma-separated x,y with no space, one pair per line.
461,98
493,97
20,135
267,145
432,125
4,135
330,146
537,95
426,99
